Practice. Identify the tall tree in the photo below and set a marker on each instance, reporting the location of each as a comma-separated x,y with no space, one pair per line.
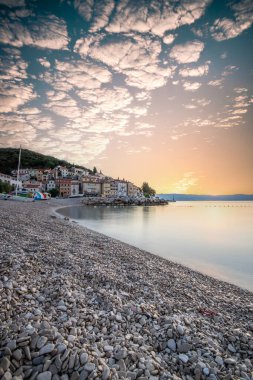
147,190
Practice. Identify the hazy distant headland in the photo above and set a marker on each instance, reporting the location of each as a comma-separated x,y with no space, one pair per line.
194,197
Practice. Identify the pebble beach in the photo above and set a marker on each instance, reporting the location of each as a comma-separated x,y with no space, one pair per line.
76,304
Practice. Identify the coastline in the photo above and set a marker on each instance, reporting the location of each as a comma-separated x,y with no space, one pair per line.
105,309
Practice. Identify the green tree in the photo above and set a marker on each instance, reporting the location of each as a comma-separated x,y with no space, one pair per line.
5,187
94,171
54,192
147,190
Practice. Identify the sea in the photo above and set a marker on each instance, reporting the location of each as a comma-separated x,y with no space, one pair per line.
215,238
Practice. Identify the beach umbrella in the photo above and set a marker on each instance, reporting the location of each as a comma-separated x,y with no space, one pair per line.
39,196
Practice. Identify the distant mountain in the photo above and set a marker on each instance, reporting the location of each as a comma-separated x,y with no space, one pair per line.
29,159
193,197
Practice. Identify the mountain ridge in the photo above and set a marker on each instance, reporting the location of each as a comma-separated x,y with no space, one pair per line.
206,197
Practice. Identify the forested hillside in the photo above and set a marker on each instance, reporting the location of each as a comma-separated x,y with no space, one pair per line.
29,159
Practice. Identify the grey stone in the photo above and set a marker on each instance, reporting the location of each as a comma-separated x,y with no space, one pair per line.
47,375
108,348
184,347
184,358
180,329
12,345
75,376
106,373
7,376
41,342
17,354
120,353
61,347
84,375
84,358
206,371
172,344
219,360
231,348
122,365
4,364
89,367
230,361
47,349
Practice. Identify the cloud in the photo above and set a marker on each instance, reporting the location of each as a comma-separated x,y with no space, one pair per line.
188,52
14,130
194,72
216,83
85,8
225,28
107,100
191,86
13,3
188,181
169,38
46,33
78,74
12,66
13,96
197,103
155,17
102,13
136,57
44,62
63,105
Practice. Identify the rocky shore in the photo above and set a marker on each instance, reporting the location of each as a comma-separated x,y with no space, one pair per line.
123,201
78,305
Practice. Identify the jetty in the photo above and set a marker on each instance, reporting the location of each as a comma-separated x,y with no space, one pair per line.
123,201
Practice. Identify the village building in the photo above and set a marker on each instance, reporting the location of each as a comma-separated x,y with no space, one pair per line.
75,187
64,186
50,184
10,180
91,188
33,186
121,188
106,188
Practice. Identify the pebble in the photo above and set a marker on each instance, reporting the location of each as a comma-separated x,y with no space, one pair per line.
47,375
184,358
77,306
84,358
106,373
230,361
89,367
4,364
172,344
41,342
180,329
47,349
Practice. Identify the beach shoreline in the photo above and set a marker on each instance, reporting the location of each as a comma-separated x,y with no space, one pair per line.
78,304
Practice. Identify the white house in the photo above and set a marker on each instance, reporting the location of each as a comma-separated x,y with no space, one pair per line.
122,188
11,180
50,184
74,188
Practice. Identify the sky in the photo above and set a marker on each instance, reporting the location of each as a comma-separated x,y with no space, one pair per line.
157,91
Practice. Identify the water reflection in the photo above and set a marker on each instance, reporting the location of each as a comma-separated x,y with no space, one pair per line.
215,238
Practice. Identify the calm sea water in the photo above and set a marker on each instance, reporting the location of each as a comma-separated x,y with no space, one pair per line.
215,238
